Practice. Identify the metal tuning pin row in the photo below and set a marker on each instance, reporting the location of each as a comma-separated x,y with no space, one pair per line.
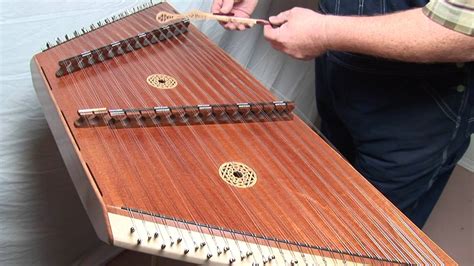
100,24
170,237
118,48
186,115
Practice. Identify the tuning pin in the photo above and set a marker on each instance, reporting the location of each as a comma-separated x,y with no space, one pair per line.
99,24
92,27
75,33
132,229
48,45
139,241
231,260
107,20
163,246
58,41
178,240
66,37
83,31
156,235
209,255
186,251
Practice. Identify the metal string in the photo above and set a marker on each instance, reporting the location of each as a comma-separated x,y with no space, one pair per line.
97,131
244,206
129,194
139,144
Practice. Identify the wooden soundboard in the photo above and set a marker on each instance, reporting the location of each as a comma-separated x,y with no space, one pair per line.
177,151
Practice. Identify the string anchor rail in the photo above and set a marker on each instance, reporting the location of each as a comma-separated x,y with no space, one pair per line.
119,48
186,115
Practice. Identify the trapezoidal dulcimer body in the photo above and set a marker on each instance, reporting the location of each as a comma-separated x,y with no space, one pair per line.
177,151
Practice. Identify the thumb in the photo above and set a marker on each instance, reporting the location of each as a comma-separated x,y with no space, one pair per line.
270,33
280,18
227,6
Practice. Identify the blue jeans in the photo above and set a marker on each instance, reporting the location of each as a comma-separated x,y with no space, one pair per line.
402,126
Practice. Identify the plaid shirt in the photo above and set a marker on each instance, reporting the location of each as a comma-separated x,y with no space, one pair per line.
454,14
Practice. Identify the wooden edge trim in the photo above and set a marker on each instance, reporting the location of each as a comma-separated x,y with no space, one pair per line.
75,164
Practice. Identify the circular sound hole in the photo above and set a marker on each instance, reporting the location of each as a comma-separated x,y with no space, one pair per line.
238,174
162,81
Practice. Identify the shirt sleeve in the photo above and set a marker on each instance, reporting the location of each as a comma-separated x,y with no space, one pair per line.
457,15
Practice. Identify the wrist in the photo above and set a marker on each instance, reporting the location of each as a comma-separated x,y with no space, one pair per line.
329,33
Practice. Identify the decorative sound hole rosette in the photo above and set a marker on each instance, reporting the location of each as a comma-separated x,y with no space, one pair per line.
238,174
162,81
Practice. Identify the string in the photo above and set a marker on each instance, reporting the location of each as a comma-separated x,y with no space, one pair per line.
152,163
129,194
97,131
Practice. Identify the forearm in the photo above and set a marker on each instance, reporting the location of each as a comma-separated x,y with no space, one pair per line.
407,36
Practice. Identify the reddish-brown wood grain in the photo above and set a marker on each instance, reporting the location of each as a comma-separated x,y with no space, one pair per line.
305,192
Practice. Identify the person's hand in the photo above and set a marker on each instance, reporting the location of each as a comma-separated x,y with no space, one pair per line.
243,9
301,34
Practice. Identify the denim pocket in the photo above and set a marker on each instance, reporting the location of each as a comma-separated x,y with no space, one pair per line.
450,101
470,122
